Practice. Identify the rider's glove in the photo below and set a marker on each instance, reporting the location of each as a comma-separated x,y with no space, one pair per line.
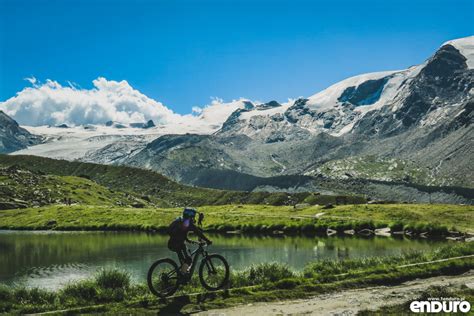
209,242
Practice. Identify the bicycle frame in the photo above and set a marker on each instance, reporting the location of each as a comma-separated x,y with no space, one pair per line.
207,270
195,257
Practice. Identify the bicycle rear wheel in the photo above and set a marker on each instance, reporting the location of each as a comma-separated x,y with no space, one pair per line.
163,277
214,272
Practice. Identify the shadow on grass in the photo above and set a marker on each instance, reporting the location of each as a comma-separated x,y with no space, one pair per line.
174,306
185,305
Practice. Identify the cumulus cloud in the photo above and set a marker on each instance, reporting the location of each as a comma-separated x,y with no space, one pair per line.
50,103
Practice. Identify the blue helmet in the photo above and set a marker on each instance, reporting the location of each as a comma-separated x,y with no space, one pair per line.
189,212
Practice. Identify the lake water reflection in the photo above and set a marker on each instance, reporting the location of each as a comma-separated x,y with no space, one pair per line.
51,259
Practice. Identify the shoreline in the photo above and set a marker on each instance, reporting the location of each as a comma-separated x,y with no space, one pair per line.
455,236
426,221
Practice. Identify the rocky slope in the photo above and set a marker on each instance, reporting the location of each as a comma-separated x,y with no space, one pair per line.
13,137
410,126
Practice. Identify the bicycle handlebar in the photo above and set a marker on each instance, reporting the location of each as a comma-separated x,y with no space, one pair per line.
200,243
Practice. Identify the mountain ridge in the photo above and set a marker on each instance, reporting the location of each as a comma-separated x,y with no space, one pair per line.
420,116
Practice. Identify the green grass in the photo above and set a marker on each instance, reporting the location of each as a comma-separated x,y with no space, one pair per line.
458,216
106,287
265,282
25,188
160,190
267,219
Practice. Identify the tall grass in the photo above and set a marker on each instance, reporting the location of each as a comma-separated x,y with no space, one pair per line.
261,274
334,267
113,279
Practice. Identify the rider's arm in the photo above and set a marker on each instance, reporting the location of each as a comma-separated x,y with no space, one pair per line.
200,234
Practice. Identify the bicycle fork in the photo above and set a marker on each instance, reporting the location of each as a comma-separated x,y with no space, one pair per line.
210,266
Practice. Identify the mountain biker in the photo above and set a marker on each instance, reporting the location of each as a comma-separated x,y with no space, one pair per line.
178,231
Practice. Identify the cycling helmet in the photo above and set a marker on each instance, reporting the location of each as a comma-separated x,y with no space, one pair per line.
189,212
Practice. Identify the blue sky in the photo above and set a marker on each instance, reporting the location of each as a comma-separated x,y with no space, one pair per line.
184,52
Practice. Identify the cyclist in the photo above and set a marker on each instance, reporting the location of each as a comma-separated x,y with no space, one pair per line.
178,231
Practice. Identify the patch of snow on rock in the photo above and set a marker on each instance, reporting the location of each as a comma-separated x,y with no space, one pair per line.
465,46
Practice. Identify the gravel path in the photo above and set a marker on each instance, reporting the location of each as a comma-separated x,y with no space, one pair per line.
346,302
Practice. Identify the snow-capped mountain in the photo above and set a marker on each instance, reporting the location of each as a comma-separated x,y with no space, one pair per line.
421,116
337,109
410,126
333,110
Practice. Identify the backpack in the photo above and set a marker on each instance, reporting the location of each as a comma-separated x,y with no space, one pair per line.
175,226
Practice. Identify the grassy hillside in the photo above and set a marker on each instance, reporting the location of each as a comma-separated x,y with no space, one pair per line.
435,219
23,188
159,189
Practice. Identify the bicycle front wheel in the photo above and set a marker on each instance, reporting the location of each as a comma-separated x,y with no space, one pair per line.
214,272
163,277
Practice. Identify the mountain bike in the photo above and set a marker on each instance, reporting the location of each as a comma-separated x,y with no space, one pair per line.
165,277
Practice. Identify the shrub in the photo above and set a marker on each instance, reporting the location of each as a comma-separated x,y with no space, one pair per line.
113,279
33,296
111,295
5,294
262,273
84,291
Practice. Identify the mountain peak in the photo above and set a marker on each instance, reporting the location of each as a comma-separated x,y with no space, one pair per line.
465,46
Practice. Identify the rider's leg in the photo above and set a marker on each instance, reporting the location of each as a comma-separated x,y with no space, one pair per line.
181,257
184,258
177,246
187,257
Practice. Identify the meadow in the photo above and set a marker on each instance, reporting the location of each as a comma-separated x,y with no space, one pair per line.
435,220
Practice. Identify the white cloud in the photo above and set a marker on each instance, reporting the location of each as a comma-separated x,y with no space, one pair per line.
196,110
50,103
31,80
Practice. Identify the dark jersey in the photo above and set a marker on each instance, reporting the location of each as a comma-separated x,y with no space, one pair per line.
180,228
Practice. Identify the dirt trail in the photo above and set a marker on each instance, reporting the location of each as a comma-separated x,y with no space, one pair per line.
346,302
